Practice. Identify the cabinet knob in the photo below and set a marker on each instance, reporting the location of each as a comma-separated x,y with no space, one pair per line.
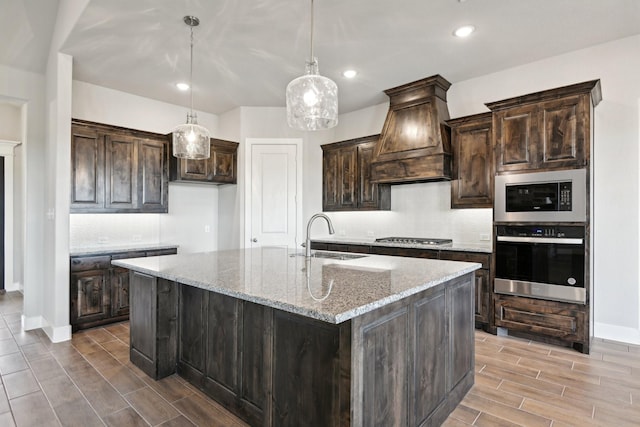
254,240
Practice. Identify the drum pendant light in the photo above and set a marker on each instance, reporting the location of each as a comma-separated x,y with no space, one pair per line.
190,140
312,100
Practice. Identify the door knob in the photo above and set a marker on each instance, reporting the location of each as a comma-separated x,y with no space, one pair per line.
254,240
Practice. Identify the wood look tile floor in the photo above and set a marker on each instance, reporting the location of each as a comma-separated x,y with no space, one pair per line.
89,381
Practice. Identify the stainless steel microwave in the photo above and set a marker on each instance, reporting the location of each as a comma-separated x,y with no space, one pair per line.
555,196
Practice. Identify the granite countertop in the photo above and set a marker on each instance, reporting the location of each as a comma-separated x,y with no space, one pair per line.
331,290
114,249
455,246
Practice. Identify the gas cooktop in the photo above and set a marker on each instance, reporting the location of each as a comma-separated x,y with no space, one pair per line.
414,240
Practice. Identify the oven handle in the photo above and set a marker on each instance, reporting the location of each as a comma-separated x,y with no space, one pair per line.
553,240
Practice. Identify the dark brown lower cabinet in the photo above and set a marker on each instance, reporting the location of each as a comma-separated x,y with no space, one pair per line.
99,293
548,321
408,363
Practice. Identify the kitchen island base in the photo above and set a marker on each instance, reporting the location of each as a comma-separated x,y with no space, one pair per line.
407,363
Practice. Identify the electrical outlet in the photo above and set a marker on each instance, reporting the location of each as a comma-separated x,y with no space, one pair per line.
371,234
207,228
136,237
103,239
342,233
484,237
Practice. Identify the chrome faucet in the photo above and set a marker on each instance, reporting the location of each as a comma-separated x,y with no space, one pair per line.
307,248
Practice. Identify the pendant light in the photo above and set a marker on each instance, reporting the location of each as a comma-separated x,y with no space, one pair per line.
312,100
190,140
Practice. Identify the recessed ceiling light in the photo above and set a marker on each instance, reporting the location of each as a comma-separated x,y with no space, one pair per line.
464,31
349,74
182,86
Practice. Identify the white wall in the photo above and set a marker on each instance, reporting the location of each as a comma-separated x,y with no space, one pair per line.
10,121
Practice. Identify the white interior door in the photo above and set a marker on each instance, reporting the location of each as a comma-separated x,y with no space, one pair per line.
274,187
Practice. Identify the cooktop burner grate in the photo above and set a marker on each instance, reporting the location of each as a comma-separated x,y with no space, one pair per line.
414,240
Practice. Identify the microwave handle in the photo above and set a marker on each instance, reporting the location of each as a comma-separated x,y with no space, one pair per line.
552,240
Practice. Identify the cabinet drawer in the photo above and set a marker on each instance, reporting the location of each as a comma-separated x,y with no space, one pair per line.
484,259
90,263
137,254
542,317
158,252
407,252
361,249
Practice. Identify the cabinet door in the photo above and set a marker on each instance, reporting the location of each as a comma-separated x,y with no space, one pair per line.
87,169
90,296
330,178
119,292
222,163
121,173
348,175
193,170
482,296
460,307
153,176
516,138
565,132
472,186
370,195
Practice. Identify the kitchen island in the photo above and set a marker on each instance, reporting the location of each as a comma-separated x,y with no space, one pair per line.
333,340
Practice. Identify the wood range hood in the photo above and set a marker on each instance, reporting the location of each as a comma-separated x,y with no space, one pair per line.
414,145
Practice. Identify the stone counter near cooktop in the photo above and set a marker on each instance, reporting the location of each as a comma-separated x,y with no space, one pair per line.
455,246
330,290
115,249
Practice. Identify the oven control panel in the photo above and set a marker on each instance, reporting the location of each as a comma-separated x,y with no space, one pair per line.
544,231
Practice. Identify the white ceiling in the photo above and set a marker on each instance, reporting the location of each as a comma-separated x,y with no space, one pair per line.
246,51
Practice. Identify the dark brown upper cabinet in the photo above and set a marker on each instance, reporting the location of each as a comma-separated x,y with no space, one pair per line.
346,177
219,168
414,145
473,171
545,130
115,169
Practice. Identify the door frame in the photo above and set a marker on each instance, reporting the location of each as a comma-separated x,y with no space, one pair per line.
250,142
7,151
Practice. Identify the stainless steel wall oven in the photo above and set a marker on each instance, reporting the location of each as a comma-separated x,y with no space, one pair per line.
546,262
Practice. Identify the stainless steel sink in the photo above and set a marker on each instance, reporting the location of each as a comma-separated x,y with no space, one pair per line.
332,255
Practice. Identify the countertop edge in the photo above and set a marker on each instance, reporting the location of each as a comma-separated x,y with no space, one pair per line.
336,319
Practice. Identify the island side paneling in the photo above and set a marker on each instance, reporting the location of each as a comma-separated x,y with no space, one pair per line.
407,363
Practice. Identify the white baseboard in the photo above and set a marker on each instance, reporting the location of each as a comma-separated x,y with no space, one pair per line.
15,286
55,334
58,334
616,333
31,323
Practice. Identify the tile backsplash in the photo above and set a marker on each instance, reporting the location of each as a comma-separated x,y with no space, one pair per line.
89,230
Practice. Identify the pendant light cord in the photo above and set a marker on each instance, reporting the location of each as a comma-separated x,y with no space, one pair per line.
191,71
311,60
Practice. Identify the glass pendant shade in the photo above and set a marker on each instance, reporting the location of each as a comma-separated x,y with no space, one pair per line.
312,100
190,140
